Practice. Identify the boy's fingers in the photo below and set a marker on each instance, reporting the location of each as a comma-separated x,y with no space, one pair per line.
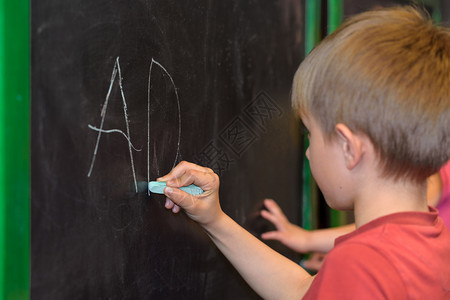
278,220
187,173
204,178
273,206
314,263
269,216
271,235
179,198
176,209
169,204
179,170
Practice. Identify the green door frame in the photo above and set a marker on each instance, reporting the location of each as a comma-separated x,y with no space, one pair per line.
335,18
312,37
309,188
14,149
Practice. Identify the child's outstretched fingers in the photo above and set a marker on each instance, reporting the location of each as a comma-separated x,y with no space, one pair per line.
274,214
203,208
287,233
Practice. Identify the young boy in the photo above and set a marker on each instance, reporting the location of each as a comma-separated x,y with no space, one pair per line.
374,96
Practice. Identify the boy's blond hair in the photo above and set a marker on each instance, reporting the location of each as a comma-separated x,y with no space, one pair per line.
384,73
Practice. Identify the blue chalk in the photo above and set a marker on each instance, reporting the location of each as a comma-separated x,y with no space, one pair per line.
158,188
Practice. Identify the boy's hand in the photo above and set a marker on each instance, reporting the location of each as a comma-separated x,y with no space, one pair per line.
287,233
204,208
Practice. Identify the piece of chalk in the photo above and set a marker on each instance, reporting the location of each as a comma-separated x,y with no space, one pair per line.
158,188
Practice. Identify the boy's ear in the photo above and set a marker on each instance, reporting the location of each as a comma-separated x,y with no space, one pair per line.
351,145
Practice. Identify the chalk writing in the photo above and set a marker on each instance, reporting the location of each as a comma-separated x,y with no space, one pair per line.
100,130
148,117
114,130
116,70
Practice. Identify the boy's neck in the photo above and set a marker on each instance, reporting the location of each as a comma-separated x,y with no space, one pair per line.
380,197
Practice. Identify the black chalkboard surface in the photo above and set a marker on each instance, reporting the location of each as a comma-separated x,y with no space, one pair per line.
122,91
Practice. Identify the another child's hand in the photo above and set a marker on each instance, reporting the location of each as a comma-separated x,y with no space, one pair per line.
314,262
287,233
204,208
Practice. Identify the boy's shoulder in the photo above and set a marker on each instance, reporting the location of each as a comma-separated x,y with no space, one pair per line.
396,256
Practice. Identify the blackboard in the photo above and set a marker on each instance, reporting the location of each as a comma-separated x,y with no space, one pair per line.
122,91
352,7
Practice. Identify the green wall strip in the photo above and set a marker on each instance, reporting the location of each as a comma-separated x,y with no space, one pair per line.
436,6
335,17
312,37
312,15
335,14
14,149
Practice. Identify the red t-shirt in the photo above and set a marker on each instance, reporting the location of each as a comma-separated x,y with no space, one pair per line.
399,256
444,203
